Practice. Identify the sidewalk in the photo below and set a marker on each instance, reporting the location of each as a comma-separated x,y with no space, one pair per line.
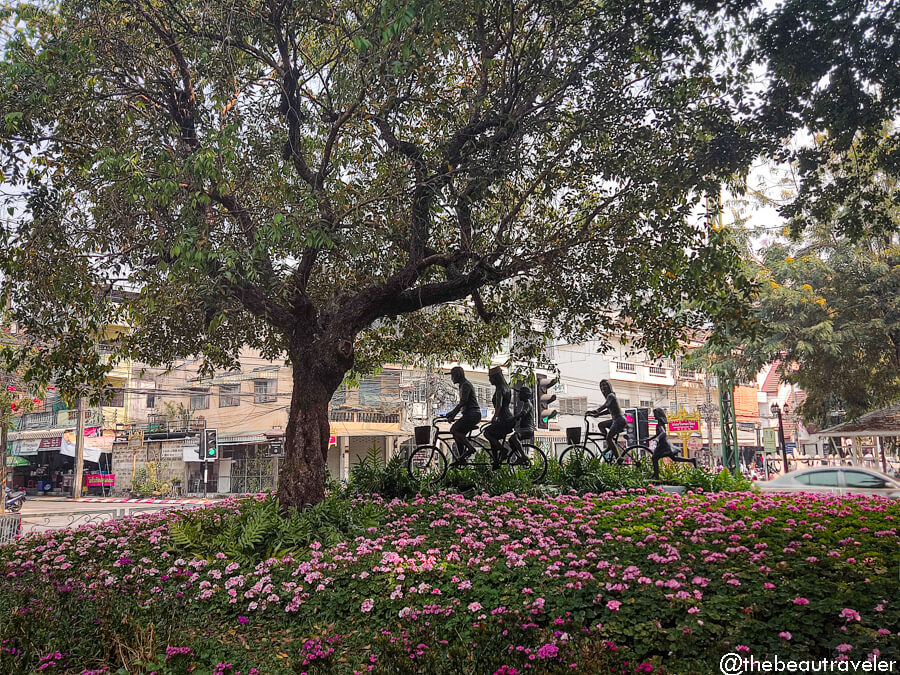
147,500
121,500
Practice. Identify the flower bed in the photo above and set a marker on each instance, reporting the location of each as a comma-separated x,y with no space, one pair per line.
628,581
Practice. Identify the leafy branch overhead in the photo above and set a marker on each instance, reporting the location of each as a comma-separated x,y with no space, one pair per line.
281,173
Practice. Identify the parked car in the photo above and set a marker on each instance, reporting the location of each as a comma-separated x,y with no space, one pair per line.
838,480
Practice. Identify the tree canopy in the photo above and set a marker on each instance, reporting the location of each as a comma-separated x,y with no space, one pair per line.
320,179
833,88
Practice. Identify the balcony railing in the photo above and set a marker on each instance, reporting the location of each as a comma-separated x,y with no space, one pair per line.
625,367
656,371
364,417
160,424
62,419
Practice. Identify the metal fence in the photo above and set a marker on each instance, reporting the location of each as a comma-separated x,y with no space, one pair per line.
23,524
10,524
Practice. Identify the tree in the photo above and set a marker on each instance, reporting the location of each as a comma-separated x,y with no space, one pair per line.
833,86
324,180
833,315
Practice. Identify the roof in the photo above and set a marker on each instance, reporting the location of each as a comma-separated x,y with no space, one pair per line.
883,422
772,383
36,434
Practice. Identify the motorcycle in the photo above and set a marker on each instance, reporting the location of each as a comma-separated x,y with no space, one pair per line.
14,500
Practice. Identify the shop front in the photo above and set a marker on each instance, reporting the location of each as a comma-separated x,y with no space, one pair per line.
45,460
247,464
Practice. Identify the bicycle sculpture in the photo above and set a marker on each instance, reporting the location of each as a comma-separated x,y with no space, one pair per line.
471,416
616,451
428,463
524,421
587,445
664,449
503,421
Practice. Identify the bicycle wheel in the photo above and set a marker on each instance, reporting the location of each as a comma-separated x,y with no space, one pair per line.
534,463
635,455
575,453
427,463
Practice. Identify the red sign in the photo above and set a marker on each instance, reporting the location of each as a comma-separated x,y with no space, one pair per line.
684,425
100,479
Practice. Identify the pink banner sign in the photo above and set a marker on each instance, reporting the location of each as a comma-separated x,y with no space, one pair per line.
100,479
684,425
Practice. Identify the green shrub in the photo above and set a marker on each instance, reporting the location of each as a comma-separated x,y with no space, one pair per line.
260,530
372,475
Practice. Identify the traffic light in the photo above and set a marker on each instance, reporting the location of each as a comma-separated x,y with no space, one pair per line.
637,424
210,445
544,399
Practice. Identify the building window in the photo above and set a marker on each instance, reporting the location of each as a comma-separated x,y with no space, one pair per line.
646,404
625,402
200,399
264,391
115,399
573,405
624,367
370,392
229,395
151,400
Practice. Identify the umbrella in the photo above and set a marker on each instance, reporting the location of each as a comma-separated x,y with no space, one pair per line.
15,460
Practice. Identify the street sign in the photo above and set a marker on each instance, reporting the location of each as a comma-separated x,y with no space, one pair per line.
770,439
684,425
695,443
136,439
275,448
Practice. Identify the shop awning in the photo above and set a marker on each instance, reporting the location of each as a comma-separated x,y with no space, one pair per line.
15,460
36,434
240,438
350,429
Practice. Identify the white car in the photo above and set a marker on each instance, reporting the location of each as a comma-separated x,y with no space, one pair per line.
838,480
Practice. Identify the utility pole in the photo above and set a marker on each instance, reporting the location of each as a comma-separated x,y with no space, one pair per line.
79,450
4,439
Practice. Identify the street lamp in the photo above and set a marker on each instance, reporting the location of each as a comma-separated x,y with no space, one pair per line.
777,412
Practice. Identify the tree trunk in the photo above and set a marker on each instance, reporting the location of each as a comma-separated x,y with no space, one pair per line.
317,373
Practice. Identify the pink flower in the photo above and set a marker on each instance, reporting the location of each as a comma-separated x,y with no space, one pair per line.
785,635
844,648
367,605
613,605
243,619
474,606
850,614
801,601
